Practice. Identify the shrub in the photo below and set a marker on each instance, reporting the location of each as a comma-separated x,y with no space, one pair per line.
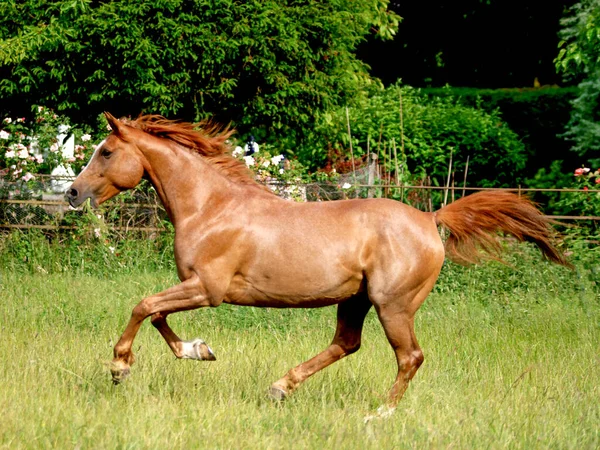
538,116
31,146
433,129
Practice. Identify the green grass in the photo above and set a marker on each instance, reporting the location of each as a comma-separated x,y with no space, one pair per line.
512,361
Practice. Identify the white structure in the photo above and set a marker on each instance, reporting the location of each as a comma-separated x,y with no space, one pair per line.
63,175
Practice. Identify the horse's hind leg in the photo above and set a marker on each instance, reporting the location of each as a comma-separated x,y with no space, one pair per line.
350,318
194,349
397,317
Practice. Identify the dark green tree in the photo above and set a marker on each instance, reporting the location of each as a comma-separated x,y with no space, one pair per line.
579,55
264,65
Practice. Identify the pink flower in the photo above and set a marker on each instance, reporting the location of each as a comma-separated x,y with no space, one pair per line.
597,181
27,177
581,170
585,188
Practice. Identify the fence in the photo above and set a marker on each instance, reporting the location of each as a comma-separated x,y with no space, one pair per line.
41,205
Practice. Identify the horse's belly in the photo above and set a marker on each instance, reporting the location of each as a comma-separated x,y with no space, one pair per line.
292,293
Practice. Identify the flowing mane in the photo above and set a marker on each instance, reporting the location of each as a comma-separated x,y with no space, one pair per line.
206,138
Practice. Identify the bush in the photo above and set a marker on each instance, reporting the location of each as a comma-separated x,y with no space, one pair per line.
433,129
31,146
538,116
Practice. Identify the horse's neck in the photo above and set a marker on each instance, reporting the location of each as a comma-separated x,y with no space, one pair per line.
185,184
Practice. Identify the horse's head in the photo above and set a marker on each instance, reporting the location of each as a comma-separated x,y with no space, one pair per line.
115,166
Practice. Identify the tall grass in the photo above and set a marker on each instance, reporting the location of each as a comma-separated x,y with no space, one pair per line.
512,357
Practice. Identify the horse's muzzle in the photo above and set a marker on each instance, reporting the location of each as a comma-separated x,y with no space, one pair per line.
76,198
72,196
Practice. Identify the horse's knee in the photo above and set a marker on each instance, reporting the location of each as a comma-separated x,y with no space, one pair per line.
141,310
157,319
410,362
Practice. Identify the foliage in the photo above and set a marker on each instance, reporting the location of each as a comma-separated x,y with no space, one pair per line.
585,203
579,54
266,65
432,130
31,147
538,116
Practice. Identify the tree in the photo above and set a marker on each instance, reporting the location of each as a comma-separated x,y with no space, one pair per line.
579,55
274,64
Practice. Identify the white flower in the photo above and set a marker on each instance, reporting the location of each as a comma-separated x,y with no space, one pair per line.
27,177
346,186
39,159
281,171
277,159
8,120
111,249
54,148
40,108
9,154
97,232
23,153
254,148
238,151
86,137
63,128
266,163
4,134
249,160
21,119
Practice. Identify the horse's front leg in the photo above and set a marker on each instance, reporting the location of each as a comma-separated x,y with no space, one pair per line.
190,294
194,349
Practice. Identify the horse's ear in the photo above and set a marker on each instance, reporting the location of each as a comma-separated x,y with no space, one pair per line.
115,125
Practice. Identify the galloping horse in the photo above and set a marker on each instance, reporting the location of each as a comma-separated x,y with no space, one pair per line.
238,243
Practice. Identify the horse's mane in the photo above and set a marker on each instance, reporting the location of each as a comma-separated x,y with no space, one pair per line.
206,138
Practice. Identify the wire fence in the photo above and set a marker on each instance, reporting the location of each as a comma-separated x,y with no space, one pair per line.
41,205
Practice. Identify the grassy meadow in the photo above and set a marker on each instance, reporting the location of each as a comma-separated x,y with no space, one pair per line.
512,360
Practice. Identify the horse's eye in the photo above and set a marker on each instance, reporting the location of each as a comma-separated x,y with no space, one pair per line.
106,153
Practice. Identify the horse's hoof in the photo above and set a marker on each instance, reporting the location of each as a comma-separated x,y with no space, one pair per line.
277,394
119,374
198,350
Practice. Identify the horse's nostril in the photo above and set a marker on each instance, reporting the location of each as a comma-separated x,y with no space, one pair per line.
72,193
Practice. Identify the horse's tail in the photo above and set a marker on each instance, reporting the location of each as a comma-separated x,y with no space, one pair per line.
474,222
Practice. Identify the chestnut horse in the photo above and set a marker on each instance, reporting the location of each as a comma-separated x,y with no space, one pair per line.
238,243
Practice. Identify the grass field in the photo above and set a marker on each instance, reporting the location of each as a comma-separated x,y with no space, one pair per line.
512,360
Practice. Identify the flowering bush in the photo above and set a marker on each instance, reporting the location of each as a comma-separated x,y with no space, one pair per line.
586,203
31,147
